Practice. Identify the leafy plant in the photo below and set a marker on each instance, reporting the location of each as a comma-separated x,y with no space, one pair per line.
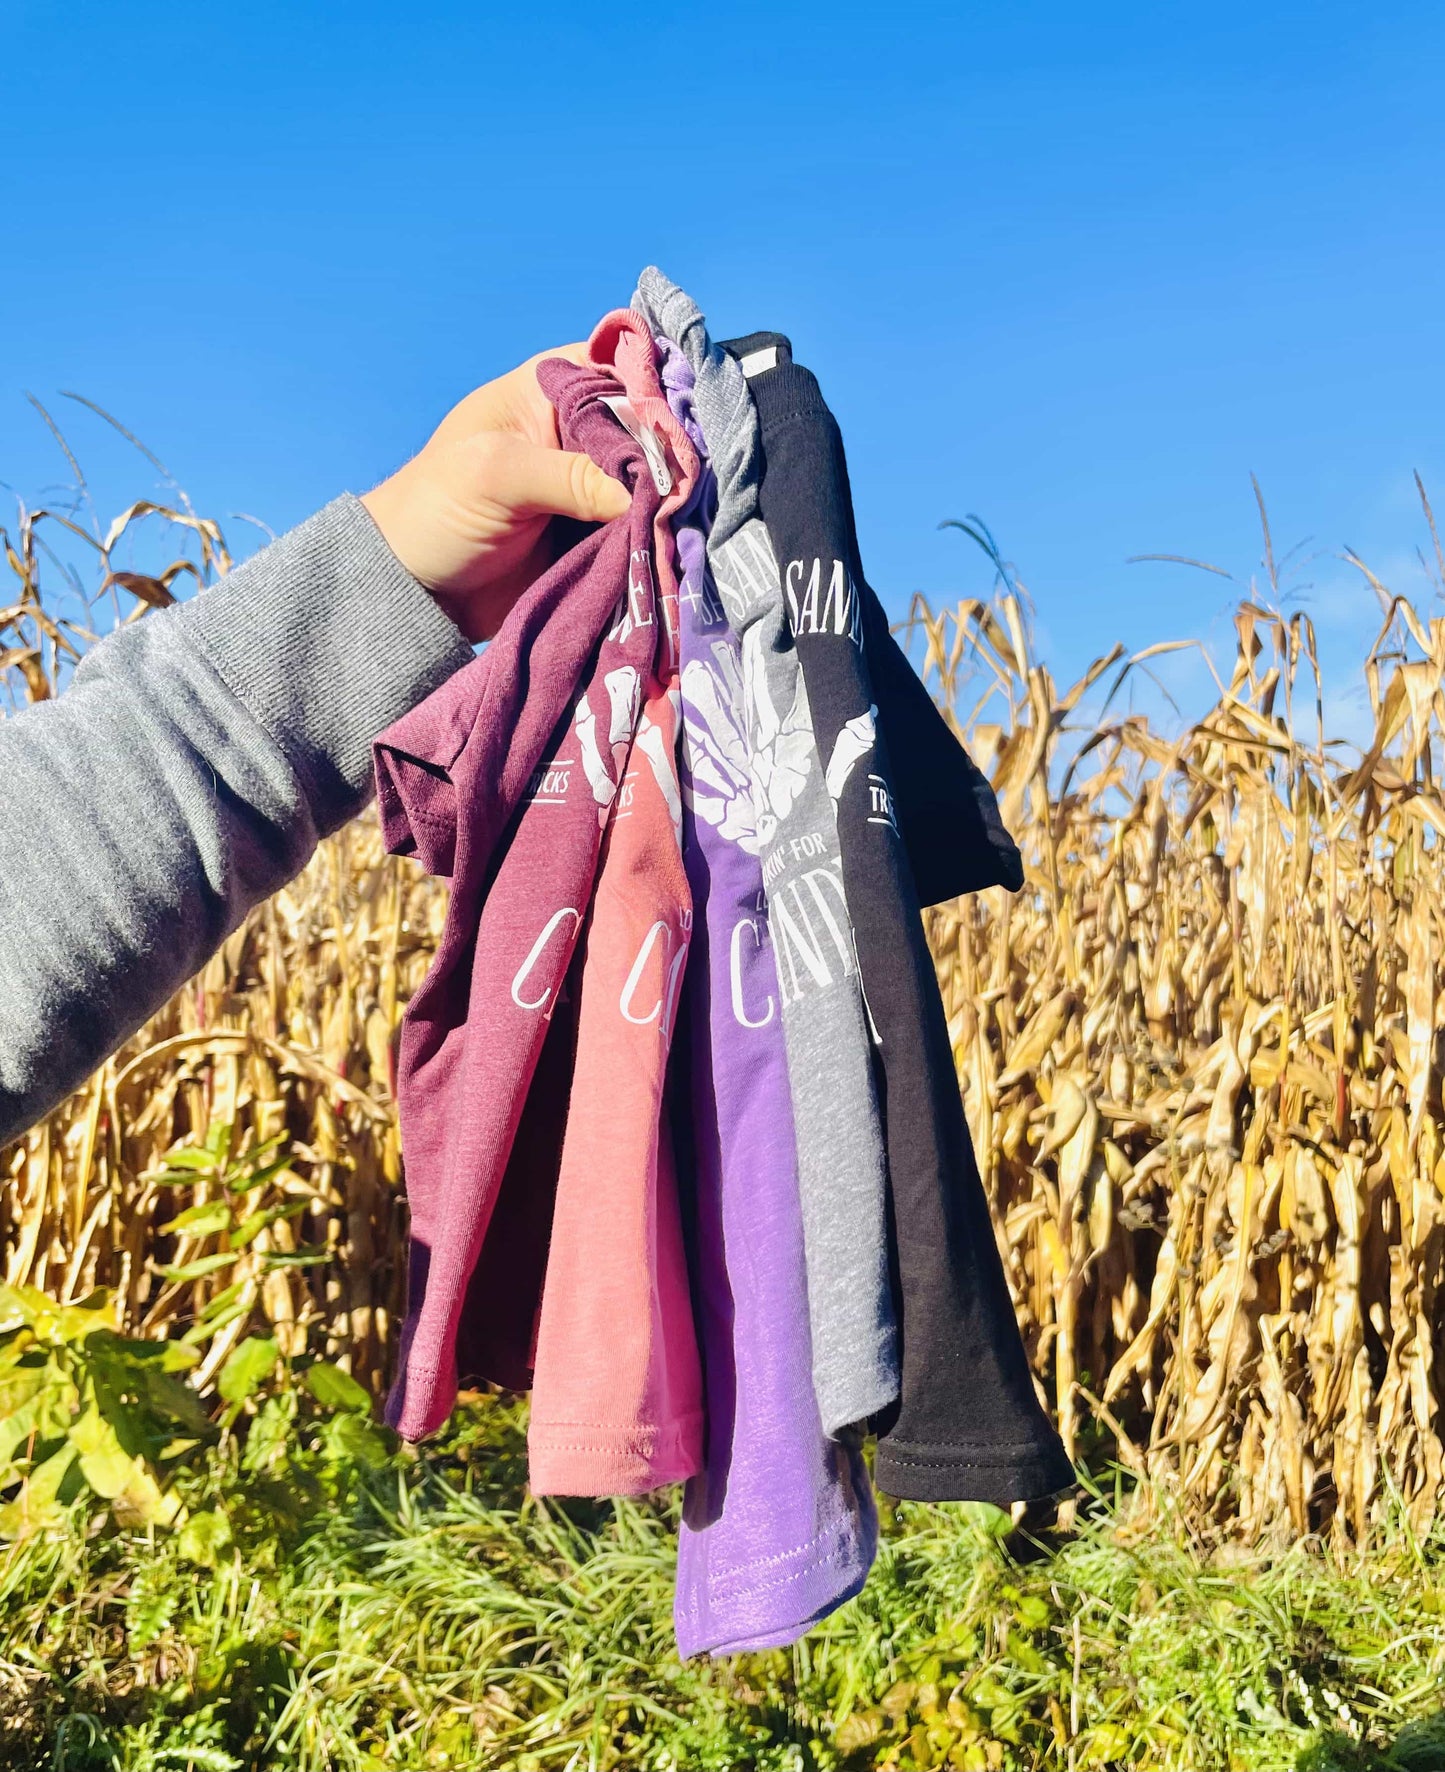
91,1417
333,1404
220,1229
85,1410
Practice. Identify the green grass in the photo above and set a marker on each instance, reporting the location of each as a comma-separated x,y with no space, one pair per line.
427,1614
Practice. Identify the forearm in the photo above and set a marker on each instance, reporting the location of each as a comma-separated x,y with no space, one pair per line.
187,773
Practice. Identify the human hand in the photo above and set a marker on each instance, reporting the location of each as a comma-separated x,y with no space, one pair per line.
468,515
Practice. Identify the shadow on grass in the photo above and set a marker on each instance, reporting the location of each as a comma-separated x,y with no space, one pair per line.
1419,1747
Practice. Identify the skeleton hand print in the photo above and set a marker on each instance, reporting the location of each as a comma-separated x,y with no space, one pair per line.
784,747
603,773
852,744
717,783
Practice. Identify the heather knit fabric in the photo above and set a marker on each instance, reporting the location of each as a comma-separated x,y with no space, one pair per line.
617,1389
502,782
497,1334
969,1425
779,1529
186,774
841,1170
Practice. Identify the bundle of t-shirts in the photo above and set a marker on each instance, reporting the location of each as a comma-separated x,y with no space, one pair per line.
684,1144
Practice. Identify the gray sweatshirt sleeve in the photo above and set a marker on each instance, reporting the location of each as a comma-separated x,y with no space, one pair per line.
186,773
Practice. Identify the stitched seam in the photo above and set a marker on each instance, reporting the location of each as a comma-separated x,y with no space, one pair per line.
764,1587
1034,1456
929,1446
651,1431
812,1545
630,1449
661,1428
437,822
649,1445
687,1467
781,420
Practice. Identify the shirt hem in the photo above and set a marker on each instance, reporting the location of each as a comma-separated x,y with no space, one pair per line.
1000,1475
583,1458
728,1624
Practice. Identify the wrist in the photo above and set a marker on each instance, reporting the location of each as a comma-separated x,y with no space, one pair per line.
386,505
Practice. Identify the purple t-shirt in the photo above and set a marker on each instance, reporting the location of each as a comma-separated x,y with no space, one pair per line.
780,1528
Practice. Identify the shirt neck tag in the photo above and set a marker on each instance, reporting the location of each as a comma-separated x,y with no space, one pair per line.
652,445
759,362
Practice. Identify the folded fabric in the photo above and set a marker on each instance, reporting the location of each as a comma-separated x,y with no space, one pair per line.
617,1387
501,781
497,1333
969,1425
835,1114
780,1528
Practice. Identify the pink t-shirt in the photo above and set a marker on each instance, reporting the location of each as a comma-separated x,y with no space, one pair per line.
503,780
617,1390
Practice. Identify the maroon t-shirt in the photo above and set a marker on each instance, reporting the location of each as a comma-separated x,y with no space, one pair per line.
502,781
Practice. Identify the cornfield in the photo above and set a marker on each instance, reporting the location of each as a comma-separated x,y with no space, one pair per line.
1198,1051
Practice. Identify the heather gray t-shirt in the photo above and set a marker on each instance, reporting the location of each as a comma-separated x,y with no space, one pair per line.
841,1165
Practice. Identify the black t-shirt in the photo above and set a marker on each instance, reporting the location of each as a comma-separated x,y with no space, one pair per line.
968,1425
945,807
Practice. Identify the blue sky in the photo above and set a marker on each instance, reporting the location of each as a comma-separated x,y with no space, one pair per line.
1078,270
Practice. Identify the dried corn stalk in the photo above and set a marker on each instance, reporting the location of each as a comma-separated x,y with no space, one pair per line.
1201,1060
1199,1053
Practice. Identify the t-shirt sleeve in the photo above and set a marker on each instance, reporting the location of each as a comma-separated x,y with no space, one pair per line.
415,760
948,814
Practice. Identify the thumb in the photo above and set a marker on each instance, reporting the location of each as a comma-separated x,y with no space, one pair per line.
558,483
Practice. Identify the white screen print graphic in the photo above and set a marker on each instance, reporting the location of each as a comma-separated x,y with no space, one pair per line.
624,686
717,788
653,743
812,937
635,610
853,743
783,743
811,931
748,931
717,781
650,990
563,923
782,746
822,602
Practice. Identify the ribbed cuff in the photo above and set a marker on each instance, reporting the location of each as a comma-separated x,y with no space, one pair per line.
327,638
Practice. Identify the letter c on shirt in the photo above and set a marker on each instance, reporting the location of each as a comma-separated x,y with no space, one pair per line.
532,958
740,1013
634,977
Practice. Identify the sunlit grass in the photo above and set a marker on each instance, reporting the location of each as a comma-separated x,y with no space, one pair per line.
431,1616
